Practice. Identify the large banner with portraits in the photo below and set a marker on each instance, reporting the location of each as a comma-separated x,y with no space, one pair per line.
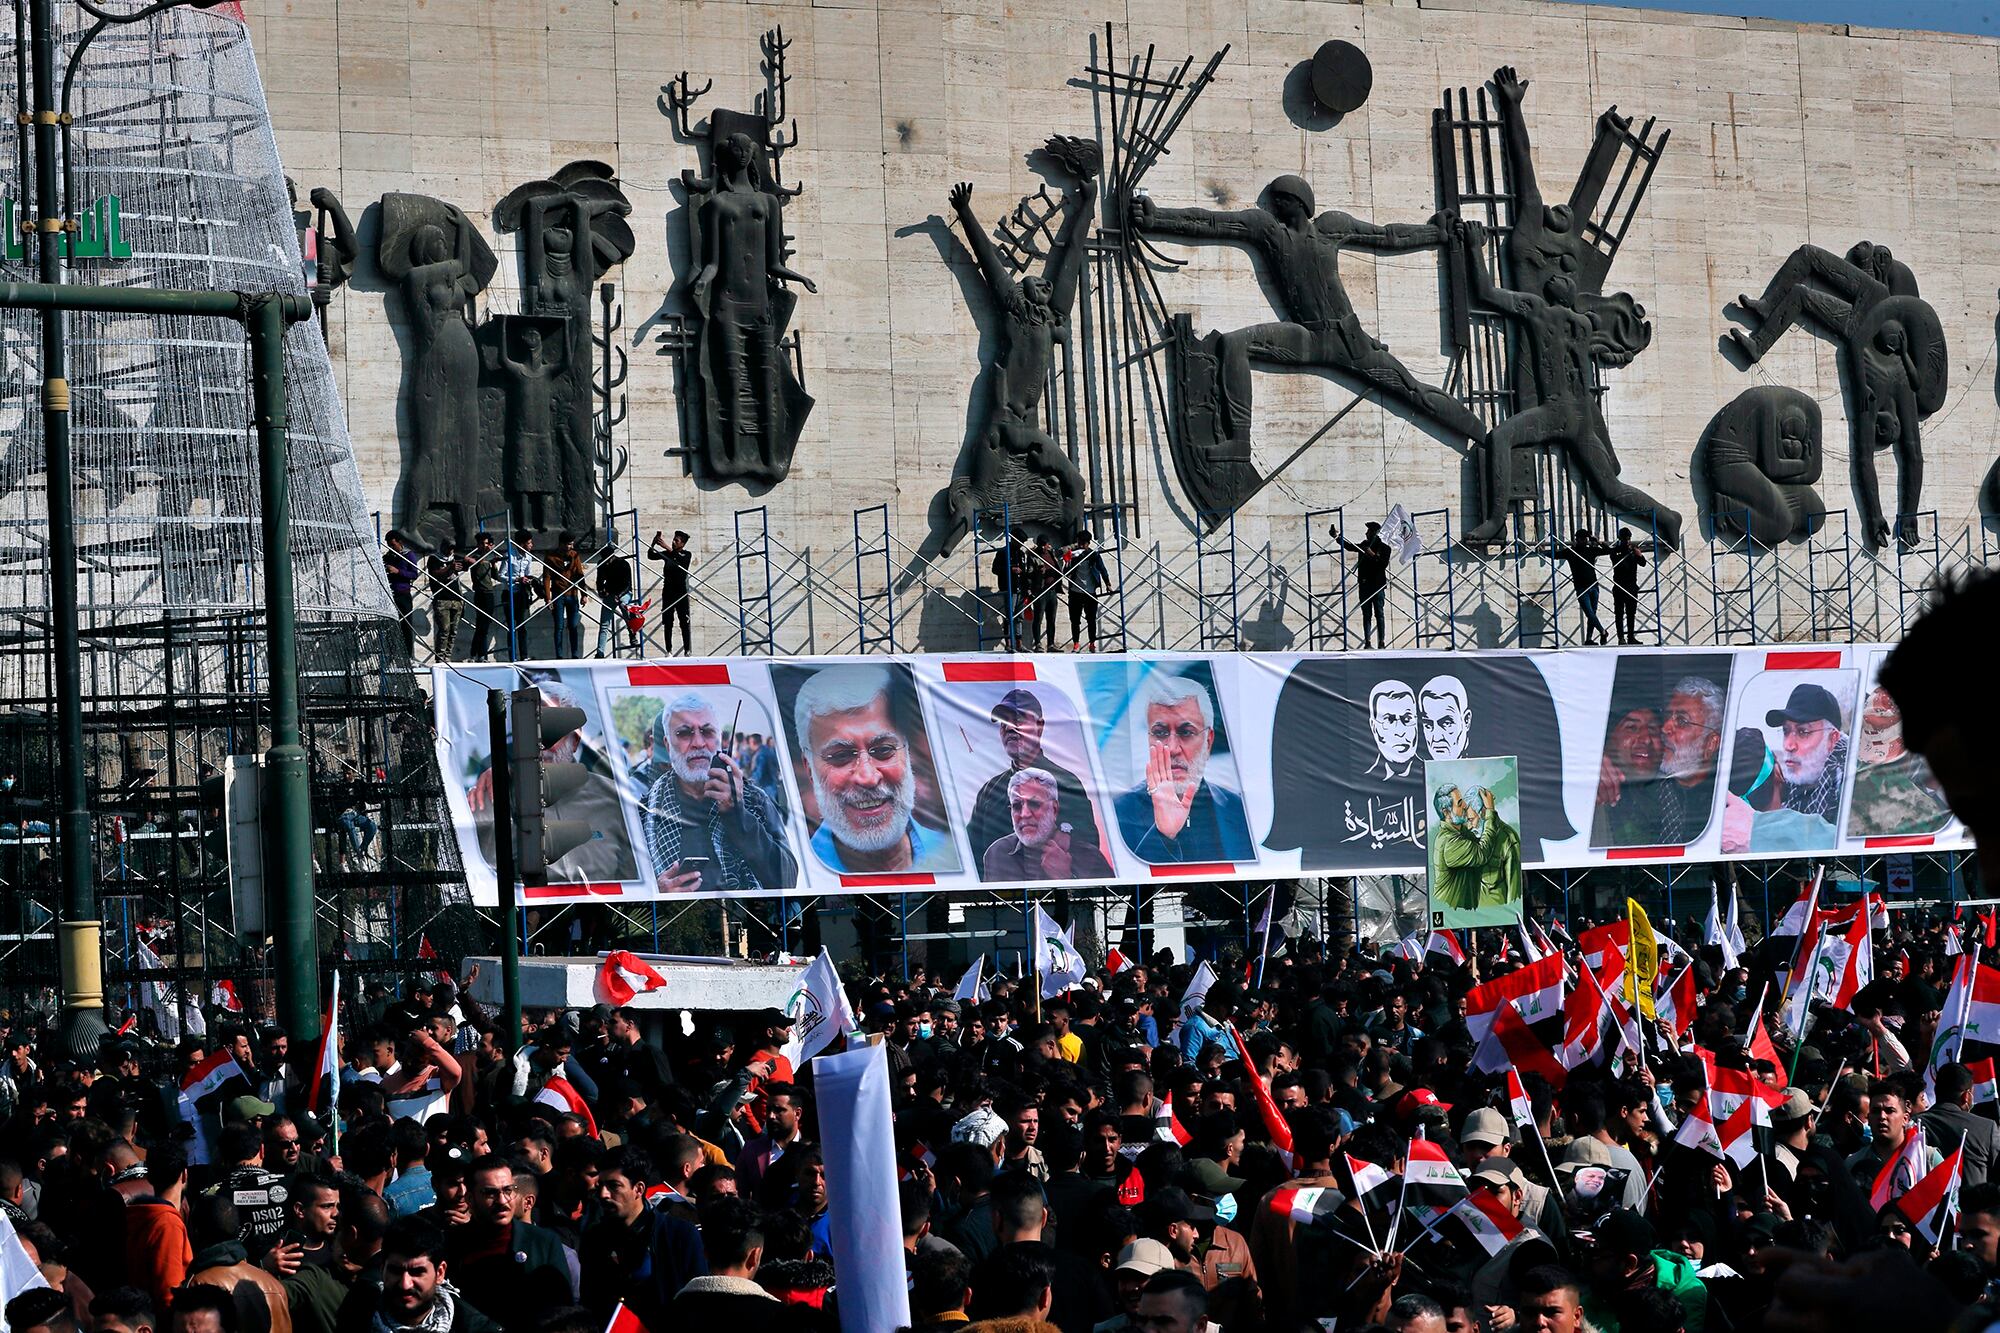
749,777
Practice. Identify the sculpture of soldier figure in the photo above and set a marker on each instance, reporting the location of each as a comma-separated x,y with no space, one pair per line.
573,232
1301,255
1013,461
1896,359
753,403
1561,344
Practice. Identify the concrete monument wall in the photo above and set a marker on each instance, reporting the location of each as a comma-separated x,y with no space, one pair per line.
1781,135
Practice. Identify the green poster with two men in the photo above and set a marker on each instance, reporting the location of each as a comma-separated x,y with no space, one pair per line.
1473,841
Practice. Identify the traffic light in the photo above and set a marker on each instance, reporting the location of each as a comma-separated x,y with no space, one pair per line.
539,783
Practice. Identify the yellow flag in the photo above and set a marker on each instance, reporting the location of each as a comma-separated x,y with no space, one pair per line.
1642,960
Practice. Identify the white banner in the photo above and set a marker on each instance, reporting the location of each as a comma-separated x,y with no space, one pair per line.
857,1136
749,777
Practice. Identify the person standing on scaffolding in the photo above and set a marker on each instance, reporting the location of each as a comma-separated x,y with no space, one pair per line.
447,598
1009,576
1625,562
1084,577
614,591
1581,553
674,561
1371,581
1045,578
562,587
483,564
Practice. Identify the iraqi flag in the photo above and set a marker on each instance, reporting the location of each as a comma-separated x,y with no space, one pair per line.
1446,943
1985,1086
559,1095
223,996
1306,1204
1512,1044
624,1321
326,1060
1519,1104
1901,1171
1676,1003
1698,1131
1167,1126
1432,1186
1603,947
1115,962
1374,1192
1740,1132
1274,1120
1930,1203
1485,1221
210,1075
624,974
1762,1048
1860,966
1536,991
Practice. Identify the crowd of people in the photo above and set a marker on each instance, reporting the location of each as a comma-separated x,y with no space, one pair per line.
503,587
1316,1151
1385,1138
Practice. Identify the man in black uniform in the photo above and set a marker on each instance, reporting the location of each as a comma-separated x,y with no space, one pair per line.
674,561
1625,562
1371,581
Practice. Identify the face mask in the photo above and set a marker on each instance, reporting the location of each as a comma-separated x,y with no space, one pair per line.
1666,1097
1225,1208
1867,1133
1739,995
923,1029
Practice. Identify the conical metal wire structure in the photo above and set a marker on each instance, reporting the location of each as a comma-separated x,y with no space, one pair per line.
170,121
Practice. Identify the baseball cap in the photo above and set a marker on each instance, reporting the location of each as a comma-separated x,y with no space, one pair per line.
1486,1126
1417,1100
1796,1106
1622,1231
1207,1174
982,1127
1145,1257
1015,703
248,1108
1174,1204
1500,1171
1586,1151
1809,703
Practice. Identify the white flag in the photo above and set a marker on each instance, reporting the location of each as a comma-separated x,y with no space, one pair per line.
1198,984
819,1011
972,986
1400,532
1057,963
1721,931
18,1272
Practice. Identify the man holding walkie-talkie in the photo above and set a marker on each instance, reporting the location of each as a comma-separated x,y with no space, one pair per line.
707,827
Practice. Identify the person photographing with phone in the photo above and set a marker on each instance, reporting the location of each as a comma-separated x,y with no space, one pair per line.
706,827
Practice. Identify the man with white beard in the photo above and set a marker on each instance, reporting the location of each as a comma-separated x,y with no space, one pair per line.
706,827
1691,745
1812,751
1038,848
1176,814
862,781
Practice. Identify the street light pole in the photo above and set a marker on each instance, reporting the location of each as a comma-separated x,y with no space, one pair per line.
80,932
287,814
